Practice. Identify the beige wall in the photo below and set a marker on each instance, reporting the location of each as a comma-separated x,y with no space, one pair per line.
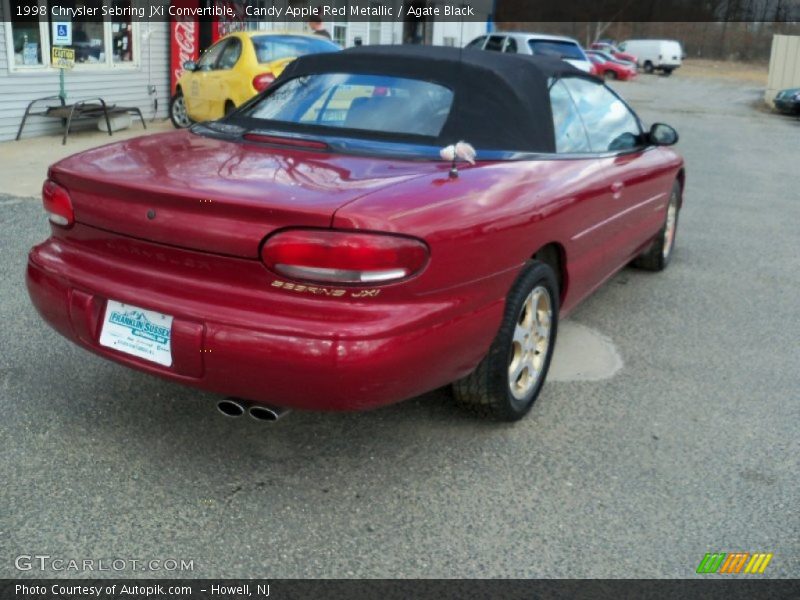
784,65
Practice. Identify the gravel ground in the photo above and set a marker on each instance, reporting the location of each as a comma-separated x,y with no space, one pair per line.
691,447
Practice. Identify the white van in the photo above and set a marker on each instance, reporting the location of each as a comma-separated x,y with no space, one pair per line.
655,55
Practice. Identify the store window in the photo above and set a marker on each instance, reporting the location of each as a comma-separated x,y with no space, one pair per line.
26,32
122,33
88,36
374,25
98,43
340,35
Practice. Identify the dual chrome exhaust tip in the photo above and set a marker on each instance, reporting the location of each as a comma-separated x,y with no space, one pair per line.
236,407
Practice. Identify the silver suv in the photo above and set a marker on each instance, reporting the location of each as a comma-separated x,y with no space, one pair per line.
539,44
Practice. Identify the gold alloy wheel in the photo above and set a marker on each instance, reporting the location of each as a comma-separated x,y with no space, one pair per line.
531,342
669,230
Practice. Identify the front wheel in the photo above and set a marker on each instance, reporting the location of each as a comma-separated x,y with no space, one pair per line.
506,383
177,111
610,75
658,255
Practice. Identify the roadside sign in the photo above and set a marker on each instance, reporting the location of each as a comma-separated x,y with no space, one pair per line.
62,33
63,58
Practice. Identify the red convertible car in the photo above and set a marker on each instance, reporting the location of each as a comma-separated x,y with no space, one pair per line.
608,67
314,250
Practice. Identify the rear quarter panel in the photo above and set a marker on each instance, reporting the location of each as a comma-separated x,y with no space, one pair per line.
482,226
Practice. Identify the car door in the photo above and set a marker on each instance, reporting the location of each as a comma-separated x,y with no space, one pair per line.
634,182
223,78
198,97
582,183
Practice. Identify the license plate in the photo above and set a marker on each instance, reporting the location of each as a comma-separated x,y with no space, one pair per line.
138,332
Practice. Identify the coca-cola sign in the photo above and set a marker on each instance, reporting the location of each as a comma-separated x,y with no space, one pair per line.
228,24
184,45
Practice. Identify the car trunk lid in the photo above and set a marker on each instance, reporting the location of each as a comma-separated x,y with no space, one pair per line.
215,195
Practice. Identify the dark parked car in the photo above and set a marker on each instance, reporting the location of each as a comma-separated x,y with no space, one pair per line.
788,101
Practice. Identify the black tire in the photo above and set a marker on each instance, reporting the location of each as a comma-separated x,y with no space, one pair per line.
658,255
667,72
177,111
610,75
649,67
229,107
487,391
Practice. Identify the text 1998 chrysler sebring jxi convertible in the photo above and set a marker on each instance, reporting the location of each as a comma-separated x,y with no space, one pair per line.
315,250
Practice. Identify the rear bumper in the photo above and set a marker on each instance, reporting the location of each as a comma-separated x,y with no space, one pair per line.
365,362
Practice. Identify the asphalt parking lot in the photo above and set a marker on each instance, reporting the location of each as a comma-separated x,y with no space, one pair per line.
691,447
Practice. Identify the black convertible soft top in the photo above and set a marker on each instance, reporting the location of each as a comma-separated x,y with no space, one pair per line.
501,101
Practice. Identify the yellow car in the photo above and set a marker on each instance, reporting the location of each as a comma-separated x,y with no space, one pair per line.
235,69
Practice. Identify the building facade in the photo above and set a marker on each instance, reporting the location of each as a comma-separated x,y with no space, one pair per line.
784,65
125,62
128,63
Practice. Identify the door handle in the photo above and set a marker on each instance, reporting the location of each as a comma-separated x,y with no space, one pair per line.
617,186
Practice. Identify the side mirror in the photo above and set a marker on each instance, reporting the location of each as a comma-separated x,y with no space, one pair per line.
189,65
662,134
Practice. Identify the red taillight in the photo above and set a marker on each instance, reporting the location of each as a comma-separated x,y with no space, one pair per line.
263,81
57,204
343,256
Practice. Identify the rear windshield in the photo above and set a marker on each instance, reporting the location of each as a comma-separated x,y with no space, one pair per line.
556,49
376,103
274,47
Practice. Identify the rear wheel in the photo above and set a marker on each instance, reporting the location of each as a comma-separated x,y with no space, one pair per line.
177,111
658,255
648,67
508,380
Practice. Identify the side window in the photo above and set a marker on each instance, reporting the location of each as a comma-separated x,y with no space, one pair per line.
611,126
495,43
230,54
511,46
571,136
477,42
211,56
